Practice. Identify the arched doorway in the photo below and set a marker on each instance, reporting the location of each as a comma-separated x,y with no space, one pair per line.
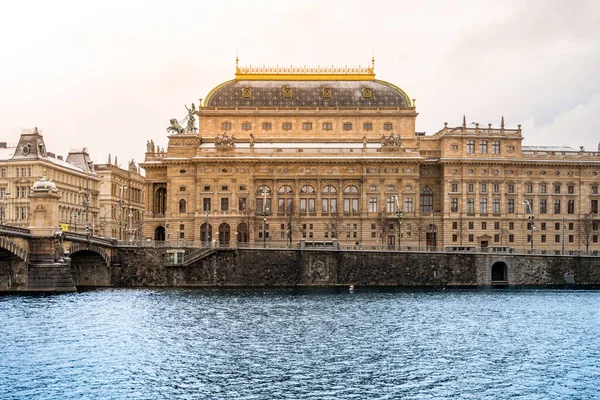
499,272
224,234
159,233
205,236
242,233
160,201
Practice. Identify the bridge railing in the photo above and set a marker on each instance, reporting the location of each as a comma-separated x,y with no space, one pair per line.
80,237
13,229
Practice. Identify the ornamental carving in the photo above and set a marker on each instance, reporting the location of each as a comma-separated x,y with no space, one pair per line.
391,141
224,141
367,93
246,92
326,92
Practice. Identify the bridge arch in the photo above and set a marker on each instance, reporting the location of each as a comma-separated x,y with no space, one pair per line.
14,248
498,272
104,253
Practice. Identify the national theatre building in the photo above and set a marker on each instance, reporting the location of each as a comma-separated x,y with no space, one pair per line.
316,154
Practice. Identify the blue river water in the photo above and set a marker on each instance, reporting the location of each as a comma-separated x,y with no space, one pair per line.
301,344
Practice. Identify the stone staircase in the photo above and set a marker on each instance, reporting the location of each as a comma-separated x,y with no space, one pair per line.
197,254
50,277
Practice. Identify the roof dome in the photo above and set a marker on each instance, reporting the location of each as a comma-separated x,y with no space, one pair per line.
322,87
44,185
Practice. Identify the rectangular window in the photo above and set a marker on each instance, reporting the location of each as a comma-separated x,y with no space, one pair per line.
594,188
242,204
529,188
511,226
543,238
454,187
454,237
454,204
483,147
246,126
543,226
373,204
511,238
259,205
286,126
224,188
571,207
556,238
571,226
267,126
454,225
543,206
595,238
496,238
483,206
207,188
391,205
367,126
470,146
556,206
557,226
496,225
347,126
346,205
543,188
511,188
470,206
496,206
373,188
556,189
471,225
470,188
354,205
327,126
387,126
483,188
571,238
594,206
496,147
281,205
206,204
408,204
3,173
484,226
571,189
307,126
471,238
496,188
224,204
510,206
311,205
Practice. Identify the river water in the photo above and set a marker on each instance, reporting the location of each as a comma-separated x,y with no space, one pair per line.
301,344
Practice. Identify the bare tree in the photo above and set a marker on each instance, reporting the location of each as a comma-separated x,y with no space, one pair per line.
383,224
249,219
422,229
585,231
294,222
336,222
461,230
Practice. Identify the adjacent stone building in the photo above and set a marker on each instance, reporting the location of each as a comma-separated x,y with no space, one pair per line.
284,154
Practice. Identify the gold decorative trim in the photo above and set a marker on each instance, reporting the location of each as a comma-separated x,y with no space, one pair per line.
287,92
326,92
247,92
304,73
367,93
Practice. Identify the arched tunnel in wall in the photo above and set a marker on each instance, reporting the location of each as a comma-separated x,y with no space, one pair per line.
89,269
13,271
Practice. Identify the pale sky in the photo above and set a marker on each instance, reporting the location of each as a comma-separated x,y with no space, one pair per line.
109,75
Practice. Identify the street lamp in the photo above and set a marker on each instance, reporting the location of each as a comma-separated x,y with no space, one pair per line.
264,215
3,197
86,202
121,210
400,216
530,219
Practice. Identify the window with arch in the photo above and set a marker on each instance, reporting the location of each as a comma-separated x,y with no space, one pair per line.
182,206
285,199
426,200
351,199
307,203
285,189
263,204
160,200
350,189
329,199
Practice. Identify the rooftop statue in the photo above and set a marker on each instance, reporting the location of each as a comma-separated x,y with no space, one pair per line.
225,141
391,140
191,119
175,127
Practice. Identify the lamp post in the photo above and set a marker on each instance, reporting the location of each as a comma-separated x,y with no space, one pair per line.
264,215
530,219
3,197
121,211
86,202
400,216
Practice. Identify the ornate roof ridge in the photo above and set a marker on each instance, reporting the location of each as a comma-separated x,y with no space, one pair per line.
305,72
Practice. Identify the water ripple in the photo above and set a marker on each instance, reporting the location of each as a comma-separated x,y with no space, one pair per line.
290,344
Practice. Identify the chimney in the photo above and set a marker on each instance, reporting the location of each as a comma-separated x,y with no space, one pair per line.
3,145
60,158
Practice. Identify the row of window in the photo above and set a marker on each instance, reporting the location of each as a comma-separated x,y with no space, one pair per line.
483,147
511,226
286,189
498,238
510,206
510,188
306,126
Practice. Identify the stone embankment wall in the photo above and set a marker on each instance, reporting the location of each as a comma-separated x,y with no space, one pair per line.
281,267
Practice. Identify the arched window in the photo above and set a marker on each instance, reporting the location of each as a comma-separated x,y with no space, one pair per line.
307,189
263,189
285,189
329,189
182,206
351,189
329,200
426,200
